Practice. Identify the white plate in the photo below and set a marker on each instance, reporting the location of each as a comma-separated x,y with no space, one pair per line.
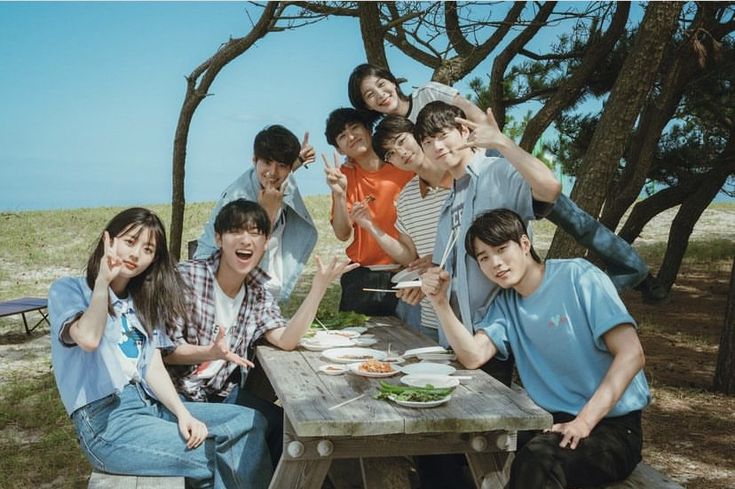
405,275
384,268
437,381
349,355
437,357
338,333
428,368
407,285
364,341
333,369
417,404
394,359
426,349
355,369
356,329
325,342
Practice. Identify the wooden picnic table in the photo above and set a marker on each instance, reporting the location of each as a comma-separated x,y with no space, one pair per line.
24,305
480,420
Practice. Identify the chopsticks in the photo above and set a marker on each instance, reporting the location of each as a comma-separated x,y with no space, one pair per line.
393,291
450,245
320,324
346,402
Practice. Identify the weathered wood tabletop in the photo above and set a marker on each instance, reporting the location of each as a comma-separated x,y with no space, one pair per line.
480,420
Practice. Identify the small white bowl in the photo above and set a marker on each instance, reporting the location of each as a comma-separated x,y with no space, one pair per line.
333,369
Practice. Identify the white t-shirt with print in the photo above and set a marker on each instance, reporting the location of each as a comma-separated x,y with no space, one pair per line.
132,338
226,312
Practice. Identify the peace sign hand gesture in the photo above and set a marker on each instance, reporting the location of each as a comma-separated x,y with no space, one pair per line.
110,263
336,180
307,155
271,198
486,135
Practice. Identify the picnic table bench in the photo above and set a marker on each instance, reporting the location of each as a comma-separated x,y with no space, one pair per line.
110,481
24,305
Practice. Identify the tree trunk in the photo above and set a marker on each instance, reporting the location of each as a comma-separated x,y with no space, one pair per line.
204,75
571,87
655,116
372,33
621,110
649,208
725,371
683,225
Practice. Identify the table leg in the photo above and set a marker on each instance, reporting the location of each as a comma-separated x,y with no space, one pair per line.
300,474
490,470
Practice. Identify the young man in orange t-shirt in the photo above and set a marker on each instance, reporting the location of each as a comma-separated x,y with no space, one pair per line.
364,183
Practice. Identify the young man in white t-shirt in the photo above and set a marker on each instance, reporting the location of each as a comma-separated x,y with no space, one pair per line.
230,308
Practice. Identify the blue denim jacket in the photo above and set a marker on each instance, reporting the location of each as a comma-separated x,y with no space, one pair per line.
494,183
83,377
299,233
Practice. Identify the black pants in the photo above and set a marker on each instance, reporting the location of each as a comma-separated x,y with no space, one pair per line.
609,454
369,303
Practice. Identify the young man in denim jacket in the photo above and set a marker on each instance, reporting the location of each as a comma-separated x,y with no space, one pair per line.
276,155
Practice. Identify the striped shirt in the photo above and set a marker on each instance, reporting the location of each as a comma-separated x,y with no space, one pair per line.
417,218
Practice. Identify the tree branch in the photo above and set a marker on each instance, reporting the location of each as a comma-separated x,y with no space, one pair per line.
324,8
571,87
205,73
549,57
413,52
454,33
503,59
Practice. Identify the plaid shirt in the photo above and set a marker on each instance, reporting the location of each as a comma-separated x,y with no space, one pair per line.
259,313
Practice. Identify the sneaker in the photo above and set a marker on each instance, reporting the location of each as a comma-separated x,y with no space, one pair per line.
652,291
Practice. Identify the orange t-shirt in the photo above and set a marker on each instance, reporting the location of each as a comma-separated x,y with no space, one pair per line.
384,185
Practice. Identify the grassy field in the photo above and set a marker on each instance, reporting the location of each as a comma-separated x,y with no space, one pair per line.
37,442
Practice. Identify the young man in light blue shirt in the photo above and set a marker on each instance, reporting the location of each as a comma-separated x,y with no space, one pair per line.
576,348
276,154
519,181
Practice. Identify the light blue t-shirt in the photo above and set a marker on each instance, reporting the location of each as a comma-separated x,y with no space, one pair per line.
556,335
492,183
83,377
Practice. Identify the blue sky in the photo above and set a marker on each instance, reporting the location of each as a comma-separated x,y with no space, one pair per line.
92,93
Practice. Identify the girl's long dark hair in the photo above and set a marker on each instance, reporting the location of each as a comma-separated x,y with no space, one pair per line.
159,291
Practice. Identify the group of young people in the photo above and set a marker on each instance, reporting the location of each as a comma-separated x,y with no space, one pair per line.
150,357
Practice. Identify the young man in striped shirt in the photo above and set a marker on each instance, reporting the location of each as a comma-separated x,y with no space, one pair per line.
417,207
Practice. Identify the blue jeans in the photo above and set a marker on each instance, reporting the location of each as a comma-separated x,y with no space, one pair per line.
623,264
131,433
273,415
